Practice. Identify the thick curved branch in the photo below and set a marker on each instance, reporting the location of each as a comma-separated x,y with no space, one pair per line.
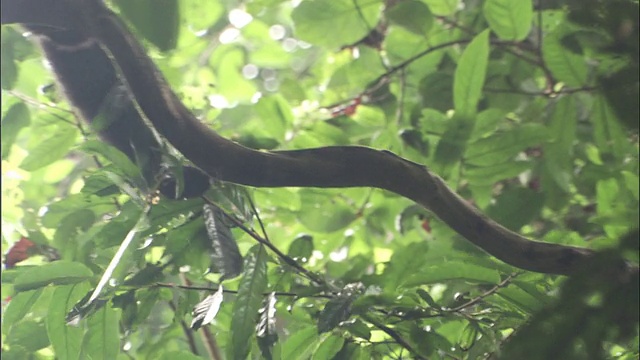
338,166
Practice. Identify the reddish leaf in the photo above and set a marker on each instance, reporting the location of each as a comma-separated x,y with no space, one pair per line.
20,251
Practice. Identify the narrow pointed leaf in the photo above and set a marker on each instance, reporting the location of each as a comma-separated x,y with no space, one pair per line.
102,339
66,340
248,302
59,273
225,255
510,20
470,74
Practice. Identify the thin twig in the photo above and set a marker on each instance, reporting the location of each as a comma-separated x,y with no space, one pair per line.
227,291
394,335
489,292
188,333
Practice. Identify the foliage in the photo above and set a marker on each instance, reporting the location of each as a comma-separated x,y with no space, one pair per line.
514,105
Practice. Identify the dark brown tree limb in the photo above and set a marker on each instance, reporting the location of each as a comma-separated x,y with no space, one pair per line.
327,167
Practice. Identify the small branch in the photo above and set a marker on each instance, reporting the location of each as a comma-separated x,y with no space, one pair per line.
187,331
227,291
489,292
394,335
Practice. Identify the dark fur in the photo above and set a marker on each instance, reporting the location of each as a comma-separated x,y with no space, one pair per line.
91,84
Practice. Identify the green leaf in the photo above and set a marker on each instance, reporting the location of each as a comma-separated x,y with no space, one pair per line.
607,132
510,20
403,263
301,344
470,74
453,270
51,149
276,115
453,143
328,347
336,22
504,146
565,65
18,307
248,302
14,120
516,207
301,248
467,89
321,213
66,340
28,334
58,273
121,161
335,311
102,339
442,7
558,153
357,327
157,20
489,175
58,210
413,15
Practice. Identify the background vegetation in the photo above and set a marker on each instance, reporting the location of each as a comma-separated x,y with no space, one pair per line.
552,152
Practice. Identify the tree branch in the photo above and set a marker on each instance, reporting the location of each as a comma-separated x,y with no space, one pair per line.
327,167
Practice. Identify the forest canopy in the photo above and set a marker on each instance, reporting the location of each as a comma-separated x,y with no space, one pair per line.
192,212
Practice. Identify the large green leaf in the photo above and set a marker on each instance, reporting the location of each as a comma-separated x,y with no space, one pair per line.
18,308
58,272
328,347
51,149
504,146
404,263
248,302
123,164
29,334
157,20
565,65
413,15
510,20
453,270
301,344
558,152
14,120
489,175
102,339
467,90
470,74
334,23
321,213
607,132
66,340
442,7
516,207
